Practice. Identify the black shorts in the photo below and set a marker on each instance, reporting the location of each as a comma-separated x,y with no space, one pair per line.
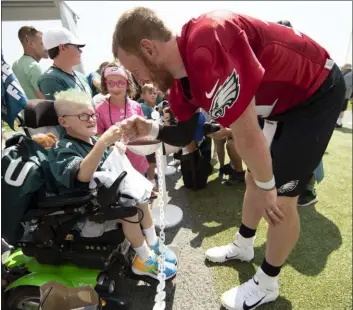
303,133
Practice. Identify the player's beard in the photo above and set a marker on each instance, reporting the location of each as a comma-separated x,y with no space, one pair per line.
159,75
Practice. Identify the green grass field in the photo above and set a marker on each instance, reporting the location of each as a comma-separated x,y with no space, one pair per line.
318,274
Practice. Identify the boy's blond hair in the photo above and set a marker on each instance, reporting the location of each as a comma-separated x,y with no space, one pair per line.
71,100
147,87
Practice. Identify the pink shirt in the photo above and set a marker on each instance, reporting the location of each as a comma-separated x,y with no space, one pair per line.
117,115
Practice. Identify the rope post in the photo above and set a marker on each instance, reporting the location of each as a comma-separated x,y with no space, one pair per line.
161,294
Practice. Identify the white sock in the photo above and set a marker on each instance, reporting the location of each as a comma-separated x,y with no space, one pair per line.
143,252
339,121
261,274
151,236
244,242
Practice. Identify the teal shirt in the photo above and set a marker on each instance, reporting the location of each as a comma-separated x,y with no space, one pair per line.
146,109
54,80
65,158
28,71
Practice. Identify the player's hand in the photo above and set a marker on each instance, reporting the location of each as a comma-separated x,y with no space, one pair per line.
135,127
268,202
112,135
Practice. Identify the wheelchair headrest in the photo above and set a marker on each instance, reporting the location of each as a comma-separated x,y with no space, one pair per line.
40,113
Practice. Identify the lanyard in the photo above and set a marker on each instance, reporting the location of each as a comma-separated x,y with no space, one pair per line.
110,114
73,77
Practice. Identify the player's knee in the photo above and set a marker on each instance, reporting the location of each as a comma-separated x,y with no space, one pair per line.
288,205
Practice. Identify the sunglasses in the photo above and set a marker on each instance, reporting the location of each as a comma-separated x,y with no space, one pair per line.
119,84
75,46
85,116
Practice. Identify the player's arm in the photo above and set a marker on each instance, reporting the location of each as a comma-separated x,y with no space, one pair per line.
228,76
180,134
183,132
252,146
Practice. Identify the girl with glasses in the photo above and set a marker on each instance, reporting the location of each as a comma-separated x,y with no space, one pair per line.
117,83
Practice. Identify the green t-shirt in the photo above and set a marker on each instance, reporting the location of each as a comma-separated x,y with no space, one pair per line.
65,158
28,71
146,109
55,80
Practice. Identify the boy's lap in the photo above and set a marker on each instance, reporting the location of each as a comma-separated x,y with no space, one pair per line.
90,229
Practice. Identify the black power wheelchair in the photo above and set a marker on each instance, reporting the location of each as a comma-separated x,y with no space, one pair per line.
46,245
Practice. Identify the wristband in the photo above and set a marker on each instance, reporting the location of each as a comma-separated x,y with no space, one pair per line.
154,131
266,185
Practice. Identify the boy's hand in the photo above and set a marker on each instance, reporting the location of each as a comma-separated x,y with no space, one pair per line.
112,135
136,127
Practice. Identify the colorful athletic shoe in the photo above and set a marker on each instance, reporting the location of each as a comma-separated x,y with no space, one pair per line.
169,255
150,267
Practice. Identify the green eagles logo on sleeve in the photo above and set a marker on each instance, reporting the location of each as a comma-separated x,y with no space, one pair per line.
226,95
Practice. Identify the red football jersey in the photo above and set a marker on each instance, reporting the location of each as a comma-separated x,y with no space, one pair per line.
230,58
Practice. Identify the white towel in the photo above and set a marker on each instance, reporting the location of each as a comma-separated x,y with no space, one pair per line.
134,184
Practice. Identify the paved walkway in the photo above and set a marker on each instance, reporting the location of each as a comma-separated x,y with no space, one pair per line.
347,119
193,286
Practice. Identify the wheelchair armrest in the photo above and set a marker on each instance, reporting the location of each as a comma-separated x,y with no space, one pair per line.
65,200
107,196
111,214
32,214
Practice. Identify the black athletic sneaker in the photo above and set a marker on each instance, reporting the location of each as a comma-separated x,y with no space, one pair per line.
236,177
338,126
306,199
225,170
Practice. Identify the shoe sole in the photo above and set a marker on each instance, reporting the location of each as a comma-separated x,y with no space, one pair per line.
262,303
227,260
308,203
141,273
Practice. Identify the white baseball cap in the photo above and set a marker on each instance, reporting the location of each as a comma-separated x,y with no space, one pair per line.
56,36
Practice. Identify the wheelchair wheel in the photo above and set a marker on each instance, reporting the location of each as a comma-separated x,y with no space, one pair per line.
24,297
